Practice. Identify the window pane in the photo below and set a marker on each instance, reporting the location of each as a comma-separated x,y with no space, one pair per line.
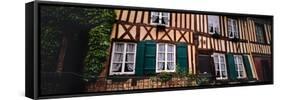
161,56
161,66
155,17
229,28
224,74
170,57
223,67
165,20
164,14
235,28
240,67
119,47
130,48
130,57
118,57
240,60
259,31
155,13
129,67
241,74
213,24
170,66
222,59
116,67
161,47
216,60
218,74
170,48
217,68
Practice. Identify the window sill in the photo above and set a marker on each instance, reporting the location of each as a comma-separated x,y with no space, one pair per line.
216,35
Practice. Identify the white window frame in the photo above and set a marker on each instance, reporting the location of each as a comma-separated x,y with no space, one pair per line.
160,18
166,57
239,64
124,59
220,67
232,23
213,20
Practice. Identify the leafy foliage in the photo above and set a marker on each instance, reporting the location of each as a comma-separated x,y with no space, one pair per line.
99,42
58,22
49,47
165,76
97,53
180,72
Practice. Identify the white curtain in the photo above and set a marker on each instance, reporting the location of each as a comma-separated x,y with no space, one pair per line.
170,66
116,67
129,67
161,56
161,48
118,57
213,22
119,47
165,18
155,17
170,57
170,48
130,48
161,65
130,57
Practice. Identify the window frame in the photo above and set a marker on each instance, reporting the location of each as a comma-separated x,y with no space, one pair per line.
234,22
236,67
123,59
220,67
260,34
217,21
166,57
152,13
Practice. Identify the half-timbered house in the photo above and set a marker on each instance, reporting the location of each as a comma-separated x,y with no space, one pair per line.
232,48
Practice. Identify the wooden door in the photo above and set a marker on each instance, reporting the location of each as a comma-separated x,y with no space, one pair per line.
264,68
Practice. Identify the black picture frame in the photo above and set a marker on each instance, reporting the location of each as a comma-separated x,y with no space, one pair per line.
32,42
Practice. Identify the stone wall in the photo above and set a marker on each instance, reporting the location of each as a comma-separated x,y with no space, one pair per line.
135,84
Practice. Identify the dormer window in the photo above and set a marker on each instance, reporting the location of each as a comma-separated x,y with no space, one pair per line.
160,18
213,24
232,28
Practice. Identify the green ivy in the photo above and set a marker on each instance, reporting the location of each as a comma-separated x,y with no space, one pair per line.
99,42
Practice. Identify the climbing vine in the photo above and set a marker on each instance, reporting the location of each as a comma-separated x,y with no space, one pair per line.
99,42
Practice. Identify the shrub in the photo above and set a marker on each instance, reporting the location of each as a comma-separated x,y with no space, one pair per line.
165,76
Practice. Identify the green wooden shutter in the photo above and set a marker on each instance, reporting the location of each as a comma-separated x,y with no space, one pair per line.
140,58
150,57
231,67
248,67
182,56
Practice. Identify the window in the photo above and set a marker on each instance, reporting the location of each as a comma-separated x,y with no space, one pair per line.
238,60
165,58
123,58
204,61
232,28
260,33
160,18
220,66
213,24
